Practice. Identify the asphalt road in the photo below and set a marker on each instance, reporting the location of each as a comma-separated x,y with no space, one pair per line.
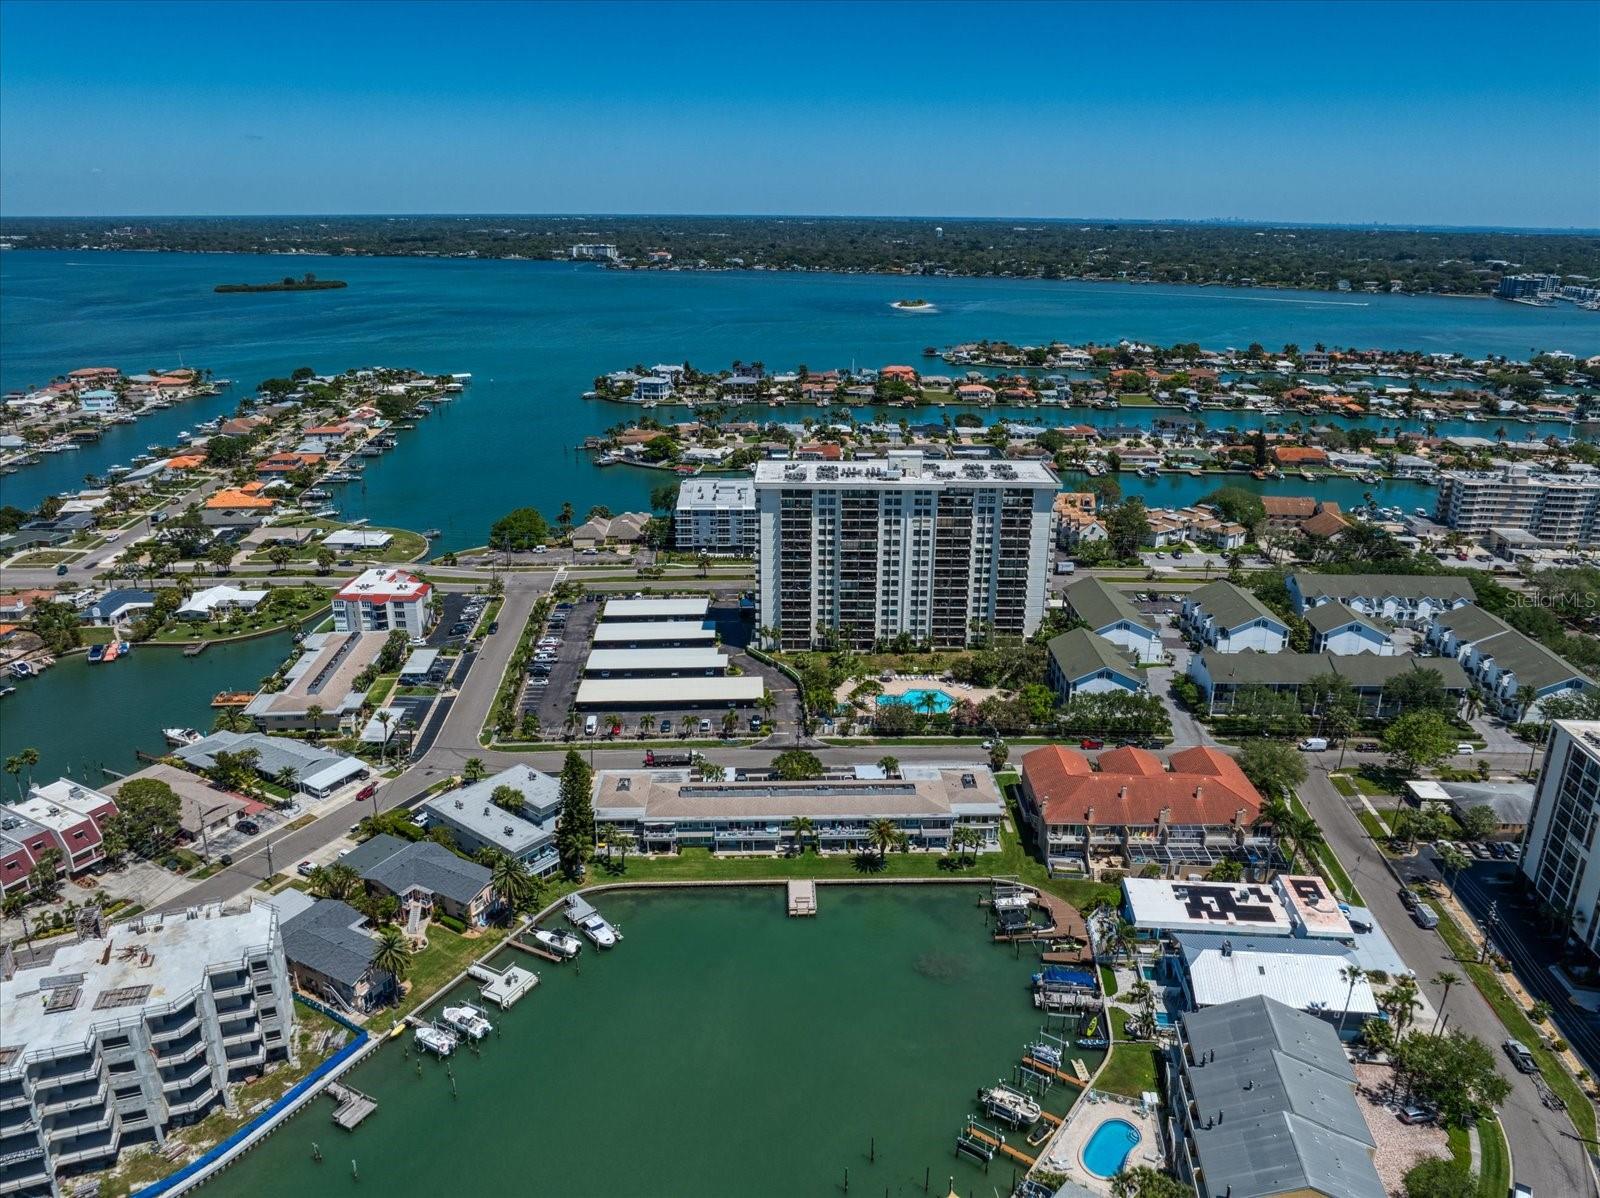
1546,1152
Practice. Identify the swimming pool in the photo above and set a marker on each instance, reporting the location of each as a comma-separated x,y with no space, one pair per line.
1109,1147
1163,1019
919,700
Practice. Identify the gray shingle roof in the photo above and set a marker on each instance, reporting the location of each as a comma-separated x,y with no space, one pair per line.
1379,586
1531,662
398,865
1295,669
1231,606
1329,616
276,752
1472,623
325,937
1081,652
1276,1105
1099,605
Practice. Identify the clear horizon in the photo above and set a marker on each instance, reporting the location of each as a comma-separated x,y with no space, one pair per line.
1405,115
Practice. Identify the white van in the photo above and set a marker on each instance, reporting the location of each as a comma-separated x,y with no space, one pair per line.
1314,744
590,723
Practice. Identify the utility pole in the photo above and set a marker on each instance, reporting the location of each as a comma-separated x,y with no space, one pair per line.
1491,922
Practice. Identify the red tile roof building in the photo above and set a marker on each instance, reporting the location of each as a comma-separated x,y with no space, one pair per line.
1135,811
382,600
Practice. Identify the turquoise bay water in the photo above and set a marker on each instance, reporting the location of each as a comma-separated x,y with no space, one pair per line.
720,1049
535,334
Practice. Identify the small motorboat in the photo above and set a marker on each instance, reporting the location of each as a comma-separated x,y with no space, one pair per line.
595,927
180,737
467,1020
1047,1053
1015,1107
110,652
562,944
22,669
436,1040
97,653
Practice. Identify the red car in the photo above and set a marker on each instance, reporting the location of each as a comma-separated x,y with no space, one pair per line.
1090,742
367,791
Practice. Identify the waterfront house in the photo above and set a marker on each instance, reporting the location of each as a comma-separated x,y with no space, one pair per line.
666,810
1134,811
114,607
1232,620
1107,612
237,507
98,402
218,601
204,808
1220,676
426,874
1082,662
1406,599
1335,628
329,956
318,772
1287,511
1297,457
1261,1104
476,822
651,389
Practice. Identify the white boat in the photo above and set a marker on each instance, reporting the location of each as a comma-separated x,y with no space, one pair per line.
1048,1053
22,669
1011,902
595,927
179,737
561,943
436,1040
1015,1107
467,1020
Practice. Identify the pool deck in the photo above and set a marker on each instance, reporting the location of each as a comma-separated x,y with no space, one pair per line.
908,683
1064,1153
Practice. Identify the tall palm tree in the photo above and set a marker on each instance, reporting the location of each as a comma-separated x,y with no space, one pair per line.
1350,975
889,764
384,719
767,703
1307,836
513,886
1402,1002
801,828
1524,700
622,840
14,768
287,777
30,758
882,836
1446,979
391,953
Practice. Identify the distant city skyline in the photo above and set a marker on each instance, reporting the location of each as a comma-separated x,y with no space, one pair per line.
1449,115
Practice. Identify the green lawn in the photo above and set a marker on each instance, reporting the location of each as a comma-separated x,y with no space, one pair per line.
1108,980
380,688
1494,1175
1132,1067
1343,785
447,954
1516,1022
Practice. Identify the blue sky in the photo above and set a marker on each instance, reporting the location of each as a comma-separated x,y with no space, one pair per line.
1472,113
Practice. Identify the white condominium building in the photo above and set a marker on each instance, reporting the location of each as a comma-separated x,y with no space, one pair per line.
939,550
1558,857
1560,508
716,515
116,1041
382,600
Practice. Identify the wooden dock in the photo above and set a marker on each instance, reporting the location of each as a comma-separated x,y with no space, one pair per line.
233,698
197,649
1000,1146
802,897
1048,1070
353,1106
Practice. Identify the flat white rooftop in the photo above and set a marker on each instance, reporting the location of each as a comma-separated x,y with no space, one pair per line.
1205,906
153,967
692,608
1296,980
669,692
665,631
658,661
905,469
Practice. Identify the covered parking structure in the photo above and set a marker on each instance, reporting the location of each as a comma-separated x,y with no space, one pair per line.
643,663
656,694
660,634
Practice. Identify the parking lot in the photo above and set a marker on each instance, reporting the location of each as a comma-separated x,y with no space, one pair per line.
552,685
458,610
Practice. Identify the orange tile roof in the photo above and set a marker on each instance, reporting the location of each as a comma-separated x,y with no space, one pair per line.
898,372
1298,455
1289,506
186,461
1203,786
239,497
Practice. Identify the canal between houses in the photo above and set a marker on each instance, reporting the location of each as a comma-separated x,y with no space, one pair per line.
720,1049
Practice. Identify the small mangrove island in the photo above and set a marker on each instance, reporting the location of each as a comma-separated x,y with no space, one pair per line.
913,305
307,282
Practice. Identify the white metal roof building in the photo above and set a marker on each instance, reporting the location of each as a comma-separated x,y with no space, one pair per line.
1314,983
605,663
739,691
639,610
660,634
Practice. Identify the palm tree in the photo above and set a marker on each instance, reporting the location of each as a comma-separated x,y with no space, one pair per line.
1275,815
513,886
474,770
622,840
801,828
1350,974
1524,700
890,765
385,717
767,702
646,723
391,953
314,715
882,835
1306,835
336,881
30,758
1447,979
14,768
1402,1002
287,777
730,721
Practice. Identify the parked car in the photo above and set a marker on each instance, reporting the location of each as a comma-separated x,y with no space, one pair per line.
1480,850
1521,1057
666,727
590,724
306,868
1091,742
705,725
1466,747
755,723
1415,1113
1314,744
248,826
1521,1190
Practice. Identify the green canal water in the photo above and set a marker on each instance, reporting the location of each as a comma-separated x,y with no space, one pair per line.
83,717
721,1049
